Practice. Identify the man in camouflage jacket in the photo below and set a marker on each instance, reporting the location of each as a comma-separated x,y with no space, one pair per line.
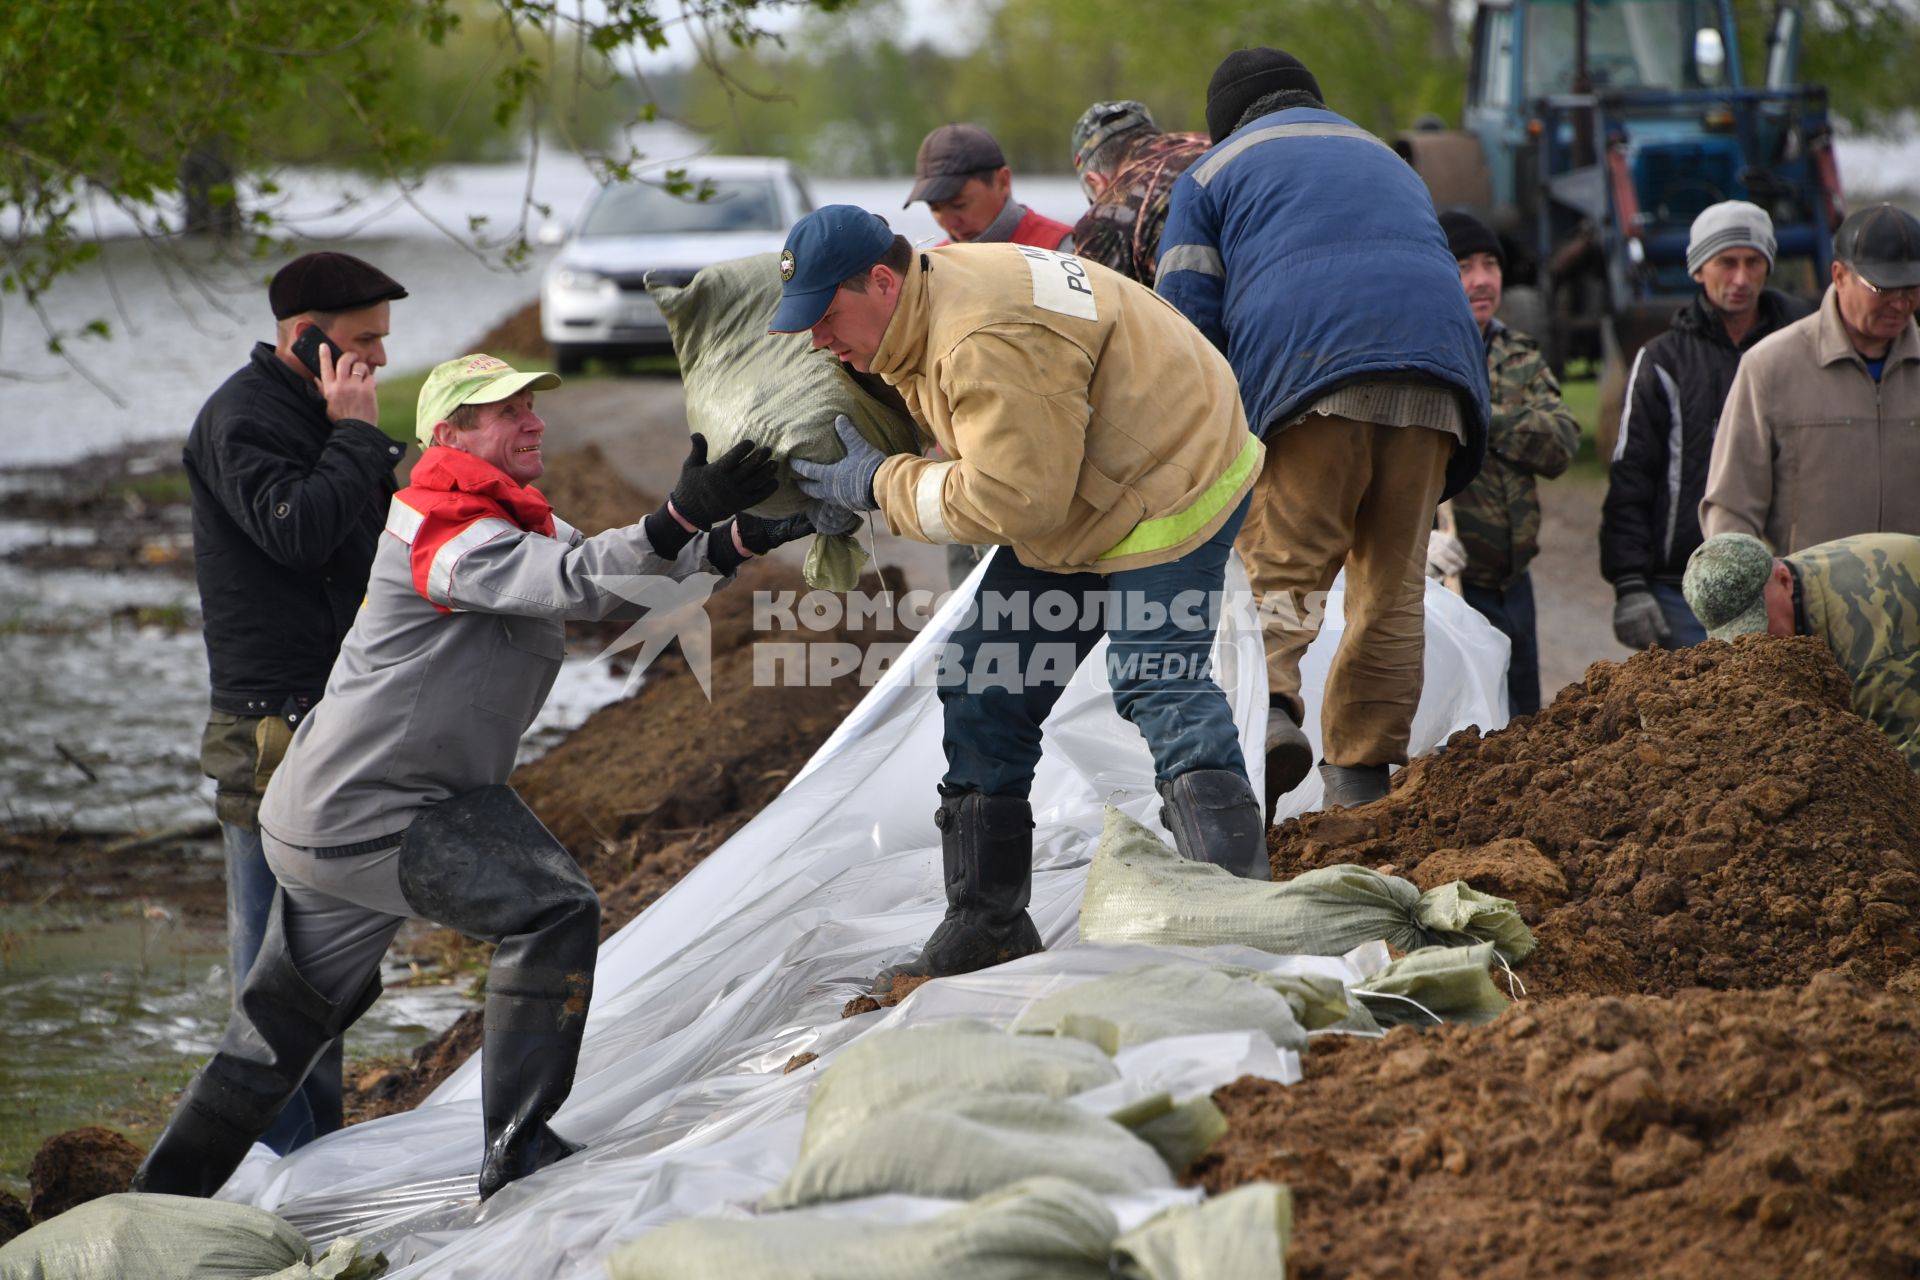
1127,167
1860,594
1497,518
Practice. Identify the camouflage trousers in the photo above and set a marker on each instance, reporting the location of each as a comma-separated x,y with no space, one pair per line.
1335,491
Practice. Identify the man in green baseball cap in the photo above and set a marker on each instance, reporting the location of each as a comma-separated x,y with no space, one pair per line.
393,802
1860,594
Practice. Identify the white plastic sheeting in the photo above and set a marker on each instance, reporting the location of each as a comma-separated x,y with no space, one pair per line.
701,1001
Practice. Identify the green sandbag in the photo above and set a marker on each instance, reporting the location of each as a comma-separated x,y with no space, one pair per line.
1156,1001
1033,1228
744,383
956,1146
154,1237
1242,1234
883,1069
1449,982
1181,1132
1139,890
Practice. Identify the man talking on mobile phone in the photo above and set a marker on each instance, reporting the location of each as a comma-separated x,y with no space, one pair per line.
291,480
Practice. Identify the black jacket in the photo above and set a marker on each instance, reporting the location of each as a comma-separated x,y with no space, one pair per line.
1650,522
287,512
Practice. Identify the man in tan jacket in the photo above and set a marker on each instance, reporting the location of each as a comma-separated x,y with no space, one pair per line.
1820,438
1094,437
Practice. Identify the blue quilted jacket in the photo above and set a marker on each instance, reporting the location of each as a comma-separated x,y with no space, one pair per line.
1308,251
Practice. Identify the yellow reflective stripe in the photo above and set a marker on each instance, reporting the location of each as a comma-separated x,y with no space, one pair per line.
1171,531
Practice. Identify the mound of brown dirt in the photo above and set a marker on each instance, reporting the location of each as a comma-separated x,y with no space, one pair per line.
1716,816
1602,1137
77,1166
516,334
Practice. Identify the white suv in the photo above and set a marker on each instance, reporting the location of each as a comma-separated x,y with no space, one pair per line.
593,299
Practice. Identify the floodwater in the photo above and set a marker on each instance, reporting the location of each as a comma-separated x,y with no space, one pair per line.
117,1005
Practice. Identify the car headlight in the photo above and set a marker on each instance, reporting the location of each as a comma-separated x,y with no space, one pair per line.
577,279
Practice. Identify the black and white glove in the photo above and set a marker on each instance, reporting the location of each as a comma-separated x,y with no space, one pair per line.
1638,622
750,535
831,520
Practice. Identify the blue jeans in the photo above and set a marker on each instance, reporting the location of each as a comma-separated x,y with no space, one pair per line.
1030,631
1685,628
316,1108
1511,613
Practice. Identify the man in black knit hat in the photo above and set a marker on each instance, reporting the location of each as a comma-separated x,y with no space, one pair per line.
1309,252
290,481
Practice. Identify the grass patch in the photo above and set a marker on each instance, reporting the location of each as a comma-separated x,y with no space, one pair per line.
158,489
1582,397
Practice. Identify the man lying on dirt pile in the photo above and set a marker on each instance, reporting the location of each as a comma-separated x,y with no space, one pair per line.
1860,594
392,801
1097,439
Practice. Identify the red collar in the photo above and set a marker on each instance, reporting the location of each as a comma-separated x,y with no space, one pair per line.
451,471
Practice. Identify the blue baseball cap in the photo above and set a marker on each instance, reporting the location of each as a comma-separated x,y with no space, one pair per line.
830,244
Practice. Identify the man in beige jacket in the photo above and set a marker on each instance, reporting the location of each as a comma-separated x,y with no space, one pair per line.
1096,439
1820,437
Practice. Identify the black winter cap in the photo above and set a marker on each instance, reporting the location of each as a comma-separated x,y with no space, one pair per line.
1246,76
329,282
1467,235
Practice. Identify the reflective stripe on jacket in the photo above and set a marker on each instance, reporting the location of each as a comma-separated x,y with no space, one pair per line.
455,650
1676,388
1085,423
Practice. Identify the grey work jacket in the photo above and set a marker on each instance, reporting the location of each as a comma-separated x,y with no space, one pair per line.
425,704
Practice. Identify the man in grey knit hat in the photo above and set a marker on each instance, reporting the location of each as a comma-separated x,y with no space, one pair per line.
1650,523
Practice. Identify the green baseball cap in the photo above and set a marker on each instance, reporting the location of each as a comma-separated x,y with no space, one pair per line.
474,379
1726,584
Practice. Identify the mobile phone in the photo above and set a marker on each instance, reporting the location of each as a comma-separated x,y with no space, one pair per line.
307,346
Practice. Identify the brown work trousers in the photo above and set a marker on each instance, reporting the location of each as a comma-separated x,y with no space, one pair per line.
1336,491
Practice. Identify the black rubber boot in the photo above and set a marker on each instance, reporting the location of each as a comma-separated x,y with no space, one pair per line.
1289,757
986,846
483,864
1349,786
279,1028
1214,818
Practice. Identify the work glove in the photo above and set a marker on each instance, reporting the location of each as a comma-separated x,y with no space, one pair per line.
709,492
1638,622
831,520
847,483
759,535
1446,554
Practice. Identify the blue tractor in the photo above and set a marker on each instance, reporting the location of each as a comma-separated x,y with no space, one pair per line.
1594,132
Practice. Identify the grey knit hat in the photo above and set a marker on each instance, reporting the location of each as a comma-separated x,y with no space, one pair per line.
1731,224
1726,584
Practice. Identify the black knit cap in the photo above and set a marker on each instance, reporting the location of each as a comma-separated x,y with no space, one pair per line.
329,282
1467,235
1246,76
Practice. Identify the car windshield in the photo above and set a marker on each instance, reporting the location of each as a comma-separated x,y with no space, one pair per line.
649,209
1631,44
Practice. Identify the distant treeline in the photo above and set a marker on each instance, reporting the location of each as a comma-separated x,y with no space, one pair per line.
847,95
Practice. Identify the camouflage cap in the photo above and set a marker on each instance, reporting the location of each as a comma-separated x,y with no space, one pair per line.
1726,584
1103,121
